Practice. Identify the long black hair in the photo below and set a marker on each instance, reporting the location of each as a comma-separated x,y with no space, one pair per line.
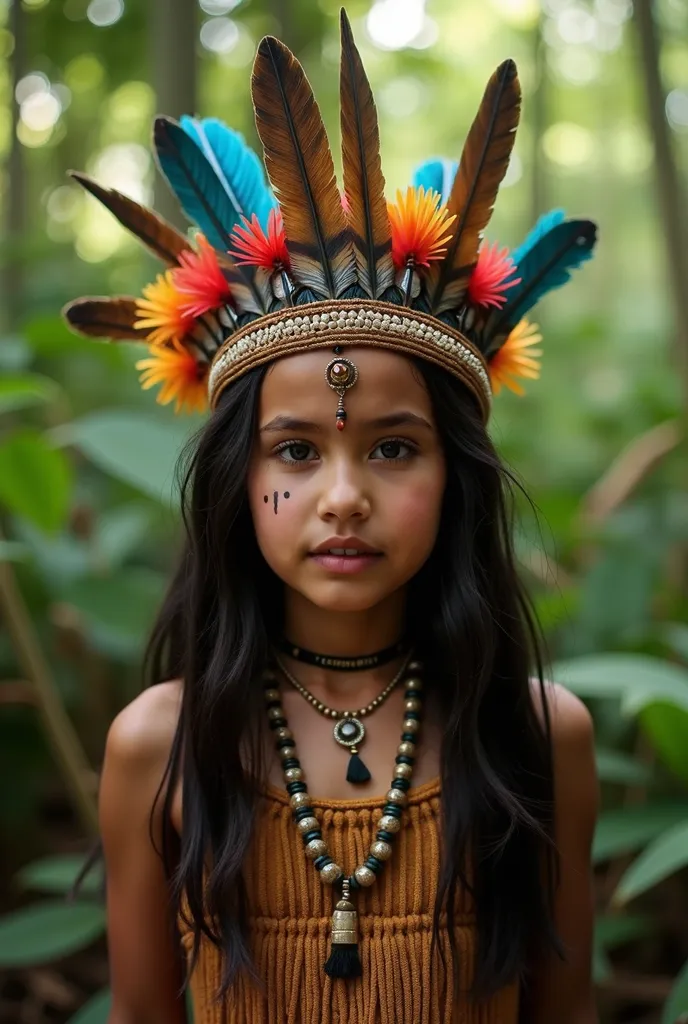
477,634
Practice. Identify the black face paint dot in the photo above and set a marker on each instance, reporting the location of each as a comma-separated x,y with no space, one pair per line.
266,499
287,494
275,496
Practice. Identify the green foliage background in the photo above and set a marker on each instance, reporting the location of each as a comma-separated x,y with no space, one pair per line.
87,492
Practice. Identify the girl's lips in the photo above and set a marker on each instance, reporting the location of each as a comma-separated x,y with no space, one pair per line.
345,564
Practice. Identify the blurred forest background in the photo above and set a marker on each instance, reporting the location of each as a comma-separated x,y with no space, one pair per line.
88,519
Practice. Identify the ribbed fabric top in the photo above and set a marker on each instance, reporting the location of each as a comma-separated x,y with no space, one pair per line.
290,917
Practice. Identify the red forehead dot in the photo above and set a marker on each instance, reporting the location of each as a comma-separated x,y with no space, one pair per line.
340,424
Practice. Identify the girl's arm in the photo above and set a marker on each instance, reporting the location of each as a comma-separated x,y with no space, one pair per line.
145,963
563,991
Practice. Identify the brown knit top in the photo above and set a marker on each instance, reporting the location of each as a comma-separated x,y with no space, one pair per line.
290,912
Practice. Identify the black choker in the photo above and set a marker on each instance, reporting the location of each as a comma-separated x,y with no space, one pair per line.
343,664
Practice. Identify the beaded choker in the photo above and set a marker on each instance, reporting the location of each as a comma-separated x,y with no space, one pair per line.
344,960
341,663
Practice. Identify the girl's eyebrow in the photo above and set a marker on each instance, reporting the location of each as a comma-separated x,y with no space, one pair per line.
403,418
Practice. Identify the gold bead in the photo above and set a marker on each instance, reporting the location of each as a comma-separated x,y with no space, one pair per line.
381,850
403,771
406,748
364,876
415,666
299,800
271,695
330,873
307,825
321,707
388,823
332,713
274,713
316,848
412,704
283,733
413,683
411,725
294,775
287,752
394,796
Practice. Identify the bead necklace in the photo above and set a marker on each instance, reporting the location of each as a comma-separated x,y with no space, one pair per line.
341,662
349,731
344,960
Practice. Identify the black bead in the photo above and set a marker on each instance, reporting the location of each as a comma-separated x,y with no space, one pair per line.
320,862
303,812
295,787
412,714
374,864
409,737
277,723
392,809
314,833
341,414
404,759
291,762
337,350
284,743
385,837
411,694
354,883
274,703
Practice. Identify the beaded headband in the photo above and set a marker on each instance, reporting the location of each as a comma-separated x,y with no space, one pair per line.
284,269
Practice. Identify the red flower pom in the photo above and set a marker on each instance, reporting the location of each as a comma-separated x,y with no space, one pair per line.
254,248
200,280
493,275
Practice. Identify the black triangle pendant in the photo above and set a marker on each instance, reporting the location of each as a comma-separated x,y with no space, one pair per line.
357,771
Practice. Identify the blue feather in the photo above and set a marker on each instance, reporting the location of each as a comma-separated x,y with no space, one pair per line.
238,168
546,261
437,174
545,223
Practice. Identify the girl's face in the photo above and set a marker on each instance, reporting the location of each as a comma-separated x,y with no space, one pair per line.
346,518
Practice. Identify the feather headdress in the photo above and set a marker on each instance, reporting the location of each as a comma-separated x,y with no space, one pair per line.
287,262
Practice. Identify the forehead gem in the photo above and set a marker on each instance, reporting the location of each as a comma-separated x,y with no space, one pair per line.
341,374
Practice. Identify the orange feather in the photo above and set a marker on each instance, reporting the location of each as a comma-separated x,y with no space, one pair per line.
364,184
299,164
483,164
161,238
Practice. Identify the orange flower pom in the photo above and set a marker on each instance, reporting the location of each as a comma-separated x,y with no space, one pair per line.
419,227
514,360
183,377
200,280
493,275
254,248
160,311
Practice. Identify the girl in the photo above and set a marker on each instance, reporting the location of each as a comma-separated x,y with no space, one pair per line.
346,611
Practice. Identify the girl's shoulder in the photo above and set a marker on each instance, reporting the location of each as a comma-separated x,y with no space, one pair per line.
570,719
141,734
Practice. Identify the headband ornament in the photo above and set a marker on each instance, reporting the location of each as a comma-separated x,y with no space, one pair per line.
299,265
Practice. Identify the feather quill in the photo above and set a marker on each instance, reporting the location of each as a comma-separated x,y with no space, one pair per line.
436,175
238,169
483,164
163,240
299,164
546,265
364,184
113,318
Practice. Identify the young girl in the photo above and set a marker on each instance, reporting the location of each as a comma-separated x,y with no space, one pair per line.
346,798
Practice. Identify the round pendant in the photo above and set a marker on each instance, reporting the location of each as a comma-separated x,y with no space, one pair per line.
349,732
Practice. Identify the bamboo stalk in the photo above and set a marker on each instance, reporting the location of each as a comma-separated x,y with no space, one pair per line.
59,730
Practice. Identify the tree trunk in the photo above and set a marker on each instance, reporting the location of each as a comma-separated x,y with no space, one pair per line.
174,39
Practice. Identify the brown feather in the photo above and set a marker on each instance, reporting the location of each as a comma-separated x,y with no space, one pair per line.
299,164
364,184
250,286
483,164
105,318
160,237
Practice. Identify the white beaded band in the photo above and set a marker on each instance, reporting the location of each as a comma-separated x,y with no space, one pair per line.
361,322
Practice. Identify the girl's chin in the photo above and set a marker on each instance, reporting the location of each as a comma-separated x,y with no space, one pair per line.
347,595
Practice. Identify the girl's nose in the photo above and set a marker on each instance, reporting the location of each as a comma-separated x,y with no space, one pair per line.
343,496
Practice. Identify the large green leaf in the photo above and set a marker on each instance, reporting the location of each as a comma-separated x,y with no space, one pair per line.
140,449
117,609
675,635
120,530
35,479
614,766
23,390
96,1010
48,931
57,874
666,855
667,726
628,829
635,677
677,1003
611,931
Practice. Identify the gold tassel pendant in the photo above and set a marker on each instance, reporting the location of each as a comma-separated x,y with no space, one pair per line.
344,961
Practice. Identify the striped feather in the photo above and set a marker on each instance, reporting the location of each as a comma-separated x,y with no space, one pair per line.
299,164
163,240
364,184
483,164
112,318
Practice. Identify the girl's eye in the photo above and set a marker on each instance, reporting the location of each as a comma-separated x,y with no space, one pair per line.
294,451
393,451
